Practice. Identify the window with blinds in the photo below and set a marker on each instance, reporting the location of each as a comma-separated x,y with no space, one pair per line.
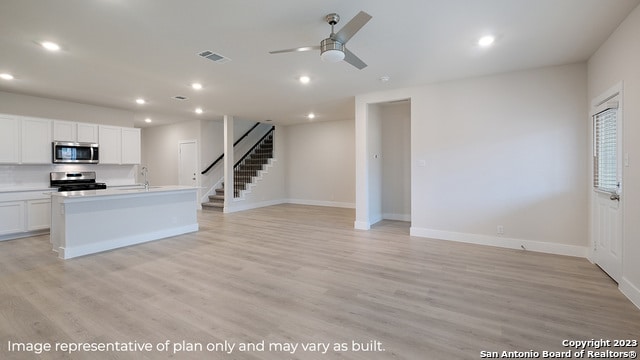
605,149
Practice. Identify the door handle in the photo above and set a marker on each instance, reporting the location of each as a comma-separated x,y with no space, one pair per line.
614,197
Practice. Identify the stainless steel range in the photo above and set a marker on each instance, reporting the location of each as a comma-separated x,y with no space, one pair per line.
75,181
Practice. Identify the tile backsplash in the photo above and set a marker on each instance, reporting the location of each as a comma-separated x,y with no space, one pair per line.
28,176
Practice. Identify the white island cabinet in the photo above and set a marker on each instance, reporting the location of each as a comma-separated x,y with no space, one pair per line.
87,222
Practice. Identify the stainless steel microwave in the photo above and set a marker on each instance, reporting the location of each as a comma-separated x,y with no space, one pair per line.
75,153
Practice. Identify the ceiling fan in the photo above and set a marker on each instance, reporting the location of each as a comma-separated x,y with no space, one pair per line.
332,49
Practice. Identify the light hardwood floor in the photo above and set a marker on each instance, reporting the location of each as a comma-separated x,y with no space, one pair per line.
301,274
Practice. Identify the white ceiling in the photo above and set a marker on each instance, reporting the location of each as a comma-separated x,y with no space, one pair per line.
114,51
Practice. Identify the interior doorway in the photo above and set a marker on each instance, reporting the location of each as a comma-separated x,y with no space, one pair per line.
389,161
396,160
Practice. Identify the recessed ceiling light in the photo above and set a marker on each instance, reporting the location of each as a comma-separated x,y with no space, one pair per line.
311,116
147,120
51,46
486,40
384,78
140,101
6,76
196,86
198,110
304,79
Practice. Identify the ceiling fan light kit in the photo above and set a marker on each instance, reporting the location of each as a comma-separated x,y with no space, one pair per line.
331,50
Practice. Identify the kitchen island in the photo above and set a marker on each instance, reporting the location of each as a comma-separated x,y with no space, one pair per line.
87,222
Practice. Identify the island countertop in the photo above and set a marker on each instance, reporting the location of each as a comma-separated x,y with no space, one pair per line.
109,192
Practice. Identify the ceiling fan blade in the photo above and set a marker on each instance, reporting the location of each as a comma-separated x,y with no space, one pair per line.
298,49
352,59
352,27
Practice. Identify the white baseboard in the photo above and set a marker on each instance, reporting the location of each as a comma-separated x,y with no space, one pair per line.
23,234
398,217
510,243
361,225
630,291
68,253
322,203
239,206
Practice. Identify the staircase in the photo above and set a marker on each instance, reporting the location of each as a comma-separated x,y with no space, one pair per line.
244,172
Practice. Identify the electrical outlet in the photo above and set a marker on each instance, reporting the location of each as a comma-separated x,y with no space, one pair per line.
500,230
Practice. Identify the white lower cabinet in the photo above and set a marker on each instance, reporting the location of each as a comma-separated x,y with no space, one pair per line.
24,213
12,217
38,214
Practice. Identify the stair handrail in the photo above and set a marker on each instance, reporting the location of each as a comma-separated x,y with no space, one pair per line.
254,147
234,145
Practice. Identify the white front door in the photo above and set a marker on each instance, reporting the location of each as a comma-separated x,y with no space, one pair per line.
188,167
607,201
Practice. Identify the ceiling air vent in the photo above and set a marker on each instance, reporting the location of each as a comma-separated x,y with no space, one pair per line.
214,57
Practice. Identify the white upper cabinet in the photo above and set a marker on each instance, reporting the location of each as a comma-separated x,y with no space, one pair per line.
64,131
72,131
27,140
87,133
130,146
110,141
36,141
9,140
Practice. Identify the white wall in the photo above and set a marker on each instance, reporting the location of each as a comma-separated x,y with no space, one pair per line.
26,105
396,160
502,150
618,60
160,150
320,163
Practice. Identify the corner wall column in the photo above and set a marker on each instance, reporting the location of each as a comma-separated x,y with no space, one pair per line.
228,162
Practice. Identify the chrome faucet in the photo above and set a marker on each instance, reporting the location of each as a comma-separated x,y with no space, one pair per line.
145,172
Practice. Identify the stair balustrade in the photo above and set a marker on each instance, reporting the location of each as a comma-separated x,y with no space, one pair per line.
246,169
